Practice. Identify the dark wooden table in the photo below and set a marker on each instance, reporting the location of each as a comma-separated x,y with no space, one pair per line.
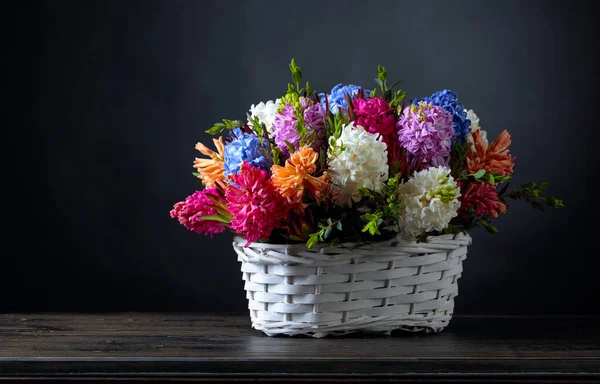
218,348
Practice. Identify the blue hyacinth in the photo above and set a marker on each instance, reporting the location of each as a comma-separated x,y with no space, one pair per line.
245,147
449,101
337,97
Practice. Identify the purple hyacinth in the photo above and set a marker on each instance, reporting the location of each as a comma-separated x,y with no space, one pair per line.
284,125
425,130
449,101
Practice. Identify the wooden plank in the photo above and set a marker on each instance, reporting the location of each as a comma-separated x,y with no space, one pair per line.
129,345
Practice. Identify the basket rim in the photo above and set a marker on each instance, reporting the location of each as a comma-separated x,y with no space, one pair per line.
443,241
240,240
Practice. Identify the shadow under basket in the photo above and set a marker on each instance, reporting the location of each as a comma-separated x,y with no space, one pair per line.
378,287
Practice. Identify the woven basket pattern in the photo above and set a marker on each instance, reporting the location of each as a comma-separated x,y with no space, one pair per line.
378,287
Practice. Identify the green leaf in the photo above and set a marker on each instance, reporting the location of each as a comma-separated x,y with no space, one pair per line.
296,74
327,232
394,84
197,174
215,218
339,225
489,227
381,73
293,65
329,222
222,213
554,202
479,174
215,129
257,126
290,147
226,124
371,217
297,77
312,240
373,230
301,129
367,227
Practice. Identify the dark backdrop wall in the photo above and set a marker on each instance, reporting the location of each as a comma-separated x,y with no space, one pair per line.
116,94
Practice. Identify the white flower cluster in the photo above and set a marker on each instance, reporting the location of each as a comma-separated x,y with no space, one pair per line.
429,200
357,159
475,127
265,112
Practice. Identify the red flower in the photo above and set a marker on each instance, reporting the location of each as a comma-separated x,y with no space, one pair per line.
482,198
255,205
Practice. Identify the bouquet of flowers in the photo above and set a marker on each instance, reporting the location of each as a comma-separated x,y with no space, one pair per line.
353,165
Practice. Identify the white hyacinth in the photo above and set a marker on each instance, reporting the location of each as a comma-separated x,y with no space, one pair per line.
265,112
475,127
429,200
357,159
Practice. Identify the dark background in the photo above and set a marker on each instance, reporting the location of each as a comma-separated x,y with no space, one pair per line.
113,95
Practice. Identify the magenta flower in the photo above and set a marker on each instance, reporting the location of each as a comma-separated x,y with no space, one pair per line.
425,130
376,116
284,125
190,212
255,205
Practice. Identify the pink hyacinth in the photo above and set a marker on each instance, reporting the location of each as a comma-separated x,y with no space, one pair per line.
481,198
190,212
376,116
425,130
255,204
284,125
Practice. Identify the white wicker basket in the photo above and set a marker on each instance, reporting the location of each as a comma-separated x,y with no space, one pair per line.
379,287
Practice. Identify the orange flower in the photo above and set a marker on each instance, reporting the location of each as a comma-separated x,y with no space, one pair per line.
292,179
212,170
494,158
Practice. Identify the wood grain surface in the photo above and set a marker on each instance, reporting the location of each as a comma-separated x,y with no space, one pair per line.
148,347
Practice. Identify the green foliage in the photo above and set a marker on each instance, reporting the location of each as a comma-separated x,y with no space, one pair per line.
530,192
458,156
292,97
373,221
215,218
377,219
296,74
225,125
333,130
483,176
487,225
258,127
325,231
535,195
290,146
384,215
334,125
477,175
395,99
